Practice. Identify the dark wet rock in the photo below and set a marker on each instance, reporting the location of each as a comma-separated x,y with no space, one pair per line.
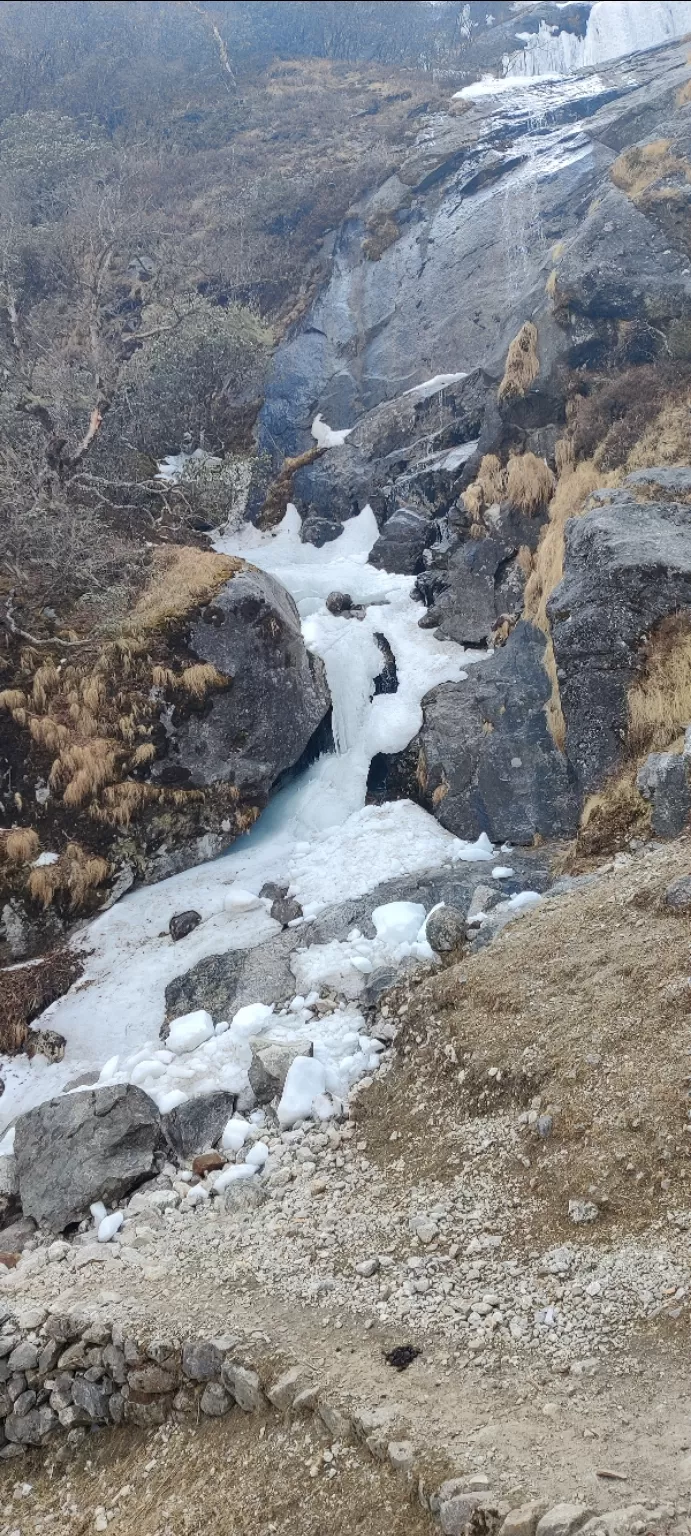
445,929
486,759
86,1146
199,1123
470,585
663,779
183,923
285,909
386,681
201,1361
627,566
320,530
402,542
251,732
339,602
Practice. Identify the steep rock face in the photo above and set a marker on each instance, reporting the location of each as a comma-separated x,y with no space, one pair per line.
278,695
470,584
627,566
485,759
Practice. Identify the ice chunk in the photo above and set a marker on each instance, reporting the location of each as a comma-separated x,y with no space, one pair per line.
524,899
471,853
502,872
7,1143
250,1020
257,1155
229,1175
239,900
99,1212
305,1080
234,1135
109,1226
44,859
109,1069
144,1069
399,922
168,1101
189,1031
329,437
197,1195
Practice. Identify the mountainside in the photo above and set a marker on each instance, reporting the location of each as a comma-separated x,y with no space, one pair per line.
345,764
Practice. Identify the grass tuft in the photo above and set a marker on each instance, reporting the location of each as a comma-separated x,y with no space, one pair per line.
522,364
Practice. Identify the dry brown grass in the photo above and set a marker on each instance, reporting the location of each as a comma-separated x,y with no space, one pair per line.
182,579
641,167
613,816
522,364
25,990
660,699
43,883
529,483
12,699
199,679
144,754
668,438
83,769
20,845
488,487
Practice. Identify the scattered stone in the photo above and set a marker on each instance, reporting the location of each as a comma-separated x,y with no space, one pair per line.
284,1391
214,1401
183,923
678,895
201,1361
244,1385
336,1421
563,1520
338,602
445,929
367,1268
207,1162
285,910
583,1211
401,1454
456,1513
200,1122
523,1521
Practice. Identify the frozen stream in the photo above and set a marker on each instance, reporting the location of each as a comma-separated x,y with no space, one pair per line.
317,835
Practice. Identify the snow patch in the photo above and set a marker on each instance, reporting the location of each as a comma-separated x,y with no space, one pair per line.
327,437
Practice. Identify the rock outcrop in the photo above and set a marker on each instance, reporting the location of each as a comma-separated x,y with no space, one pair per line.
277,699
485,759
88,1146
627,566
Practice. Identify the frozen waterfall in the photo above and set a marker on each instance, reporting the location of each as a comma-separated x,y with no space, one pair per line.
615,28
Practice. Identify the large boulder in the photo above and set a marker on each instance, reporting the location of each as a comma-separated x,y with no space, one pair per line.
264,721
627,566
86,1146
485,758
402,542
471,584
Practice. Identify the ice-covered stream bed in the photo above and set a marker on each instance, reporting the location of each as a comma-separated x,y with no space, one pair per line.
318,836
